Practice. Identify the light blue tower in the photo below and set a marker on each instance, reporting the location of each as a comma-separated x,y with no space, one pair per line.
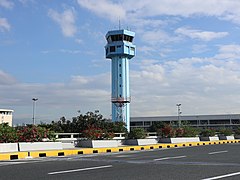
120,50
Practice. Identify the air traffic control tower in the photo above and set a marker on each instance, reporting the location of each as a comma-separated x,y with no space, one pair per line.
120,50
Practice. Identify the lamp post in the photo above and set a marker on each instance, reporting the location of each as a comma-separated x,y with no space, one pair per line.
34,107
2,119
179,113
96,111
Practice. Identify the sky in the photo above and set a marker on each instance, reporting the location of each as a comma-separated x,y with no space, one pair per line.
188,52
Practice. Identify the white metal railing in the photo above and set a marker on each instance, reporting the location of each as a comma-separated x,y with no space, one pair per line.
77,136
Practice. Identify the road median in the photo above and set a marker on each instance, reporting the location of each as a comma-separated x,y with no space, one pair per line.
80,151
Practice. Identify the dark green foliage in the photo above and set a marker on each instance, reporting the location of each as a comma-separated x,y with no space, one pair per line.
7,134
156,126
208,132
190,131
137,133
237,131
225,131
83,122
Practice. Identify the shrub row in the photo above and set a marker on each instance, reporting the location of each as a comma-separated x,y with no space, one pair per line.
187,131
24,134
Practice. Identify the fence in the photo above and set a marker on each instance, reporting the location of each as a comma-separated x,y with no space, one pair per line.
68,137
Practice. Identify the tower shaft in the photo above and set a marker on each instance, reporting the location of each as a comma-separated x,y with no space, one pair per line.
120,90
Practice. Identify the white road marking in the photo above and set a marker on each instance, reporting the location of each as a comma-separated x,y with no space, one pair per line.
123,156
223,176
76,170
166,158
218,152
11,163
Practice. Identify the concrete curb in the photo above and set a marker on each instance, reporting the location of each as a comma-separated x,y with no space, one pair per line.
69,152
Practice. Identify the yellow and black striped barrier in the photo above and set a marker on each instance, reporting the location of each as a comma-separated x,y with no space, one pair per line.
69,152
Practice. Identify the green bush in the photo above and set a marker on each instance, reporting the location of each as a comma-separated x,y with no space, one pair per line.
237,131
7,134
225,131
208,132
190,131
137,133
117,127
156,126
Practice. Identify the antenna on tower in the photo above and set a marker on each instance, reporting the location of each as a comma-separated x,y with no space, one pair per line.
119,24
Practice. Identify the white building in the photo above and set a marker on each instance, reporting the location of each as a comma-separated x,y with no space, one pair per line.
201,121
6,116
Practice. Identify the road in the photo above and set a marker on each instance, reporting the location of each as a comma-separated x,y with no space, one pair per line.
199,162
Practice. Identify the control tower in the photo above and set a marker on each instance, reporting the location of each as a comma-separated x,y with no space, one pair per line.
120,50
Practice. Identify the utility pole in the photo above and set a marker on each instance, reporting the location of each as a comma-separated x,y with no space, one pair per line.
179,113
34,107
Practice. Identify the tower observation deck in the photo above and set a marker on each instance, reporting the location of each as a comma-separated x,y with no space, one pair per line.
120,50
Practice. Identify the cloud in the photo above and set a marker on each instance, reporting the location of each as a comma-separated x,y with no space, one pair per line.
70,51
4,25
66,20
25,2
6,79
6,4
230,51
141,9
200,35
105,8
79,41
158,36
224,9
199,48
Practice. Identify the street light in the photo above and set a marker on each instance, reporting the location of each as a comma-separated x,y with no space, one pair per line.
179,113
2,119
96,111
34,106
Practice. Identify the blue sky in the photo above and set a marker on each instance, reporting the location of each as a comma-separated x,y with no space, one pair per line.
187,52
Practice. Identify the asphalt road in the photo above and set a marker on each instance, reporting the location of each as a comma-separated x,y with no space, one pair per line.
201,162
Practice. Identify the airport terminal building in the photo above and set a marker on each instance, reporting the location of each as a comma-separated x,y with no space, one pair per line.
201,121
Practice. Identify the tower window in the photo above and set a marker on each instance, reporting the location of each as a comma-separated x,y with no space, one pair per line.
109,39
106,51
118,37
120,75
128,38
112,49
120,85
120,65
